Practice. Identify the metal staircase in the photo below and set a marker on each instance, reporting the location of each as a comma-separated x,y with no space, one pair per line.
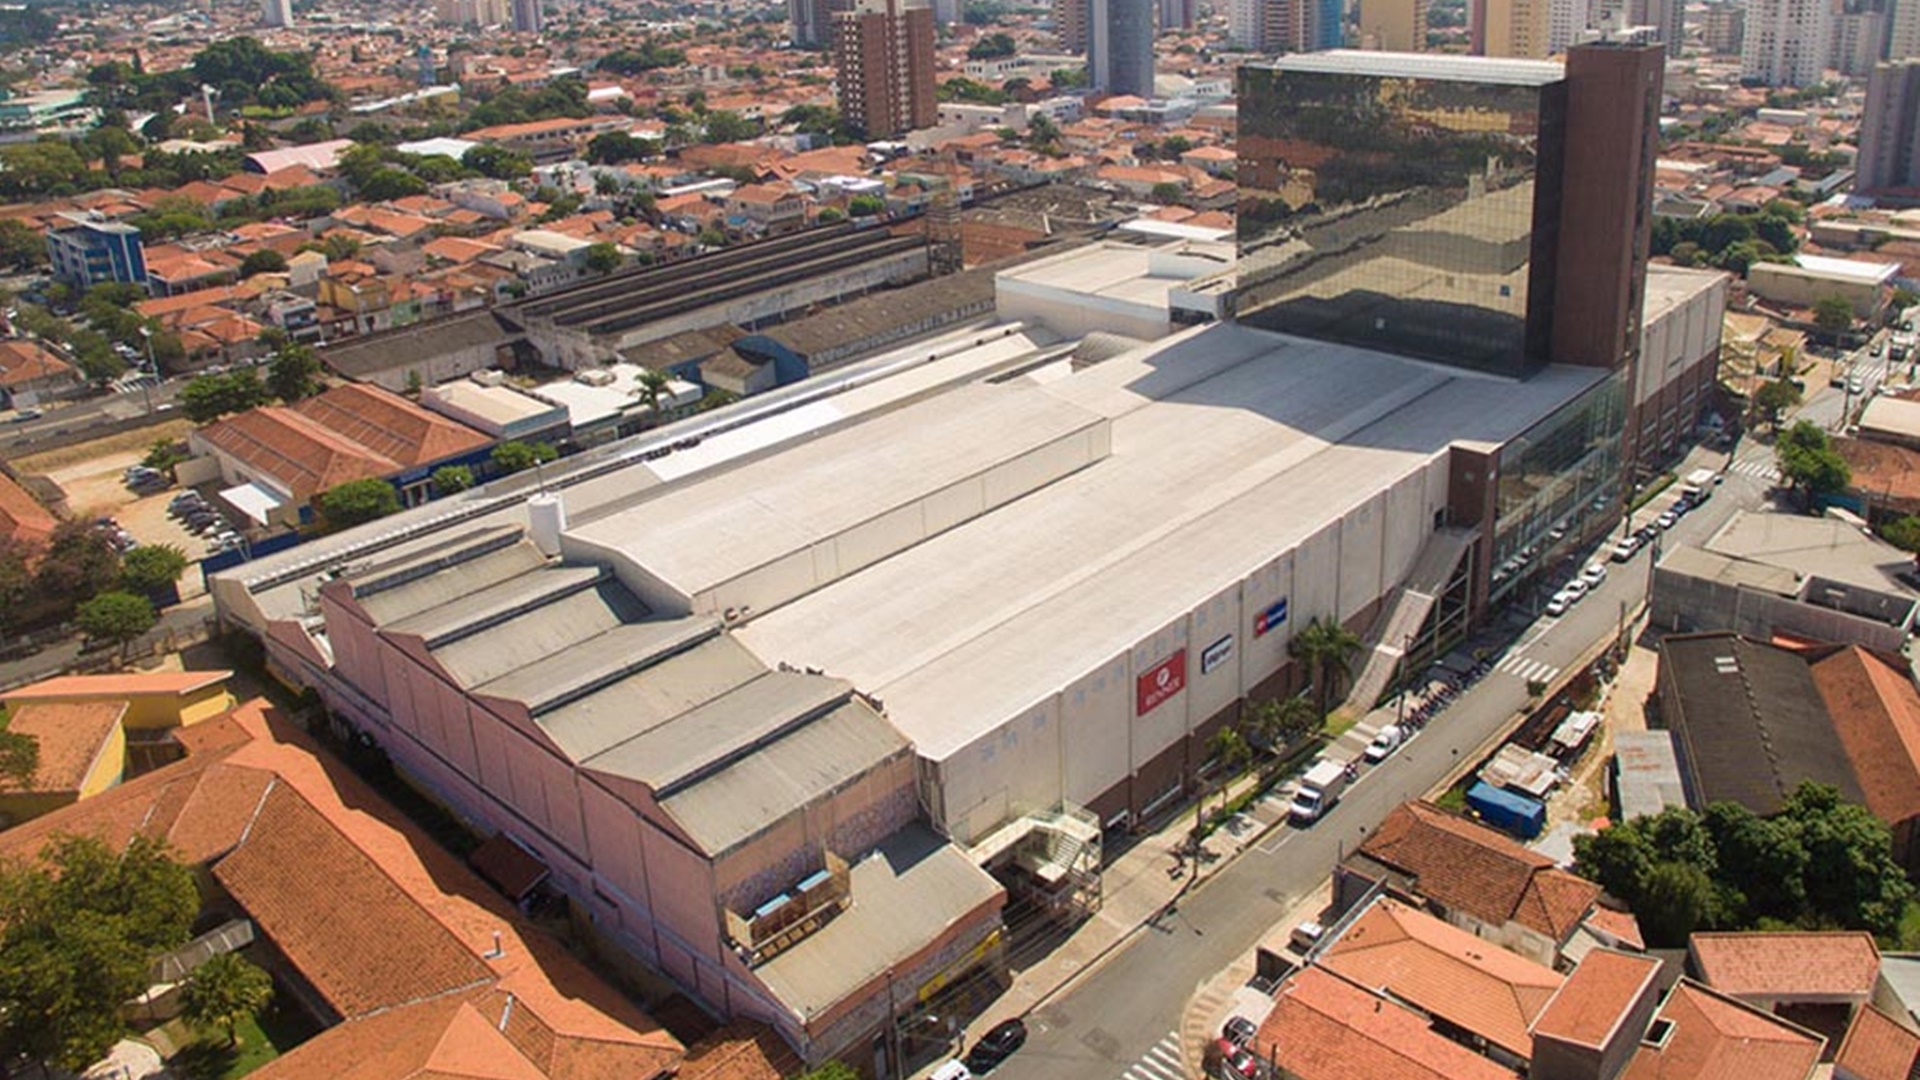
1407,610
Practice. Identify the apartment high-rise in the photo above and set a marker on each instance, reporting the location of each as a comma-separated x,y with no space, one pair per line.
1667,17
1120,46
1859,42
883,60
1724,26
276,13
1493,214
1890,131
1285,26
810,23
1394,25
527,17
1786,41
1566,21
1903,36
1070,25
1178,14
1520,29
473,12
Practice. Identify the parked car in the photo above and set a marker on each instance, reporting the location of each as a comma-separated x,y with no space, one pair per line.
952,1070
25,415
996,1046
1667,520
1242,1063
1561,603
1385,742
1594,574
1626,549
1238,1031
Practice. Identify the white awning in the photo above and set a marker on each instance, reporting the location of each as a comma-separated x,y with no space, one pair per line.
252,500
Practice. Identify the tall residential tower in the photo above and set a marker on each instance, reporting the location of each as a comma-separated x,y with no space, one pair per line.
883,60
1890,132
1120,46
1786,42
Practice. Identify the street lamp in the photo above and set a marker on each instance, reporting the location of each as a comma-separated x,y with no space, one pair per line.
153,370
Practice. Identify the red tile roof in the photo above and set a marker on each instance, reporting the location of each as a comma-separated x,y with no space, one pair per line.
1792,965
71,737
29,361
1445,971
22,518
1716,1038
303,456
1878,1048
740,1051
1875,711
1469,867
390,425
1326,1028
1597,997
125,685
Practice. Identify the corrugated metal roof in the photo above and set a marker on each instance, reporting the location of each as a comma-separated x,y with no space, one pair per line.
759,790
909,891
718,731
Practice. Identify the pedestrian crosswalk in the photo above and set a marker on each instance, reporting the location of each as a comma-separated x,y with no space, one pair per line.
1162,1061
1527,669
1758,468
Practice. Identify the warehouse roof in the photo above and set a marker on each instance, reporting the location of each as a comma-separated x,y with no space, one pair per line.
909,891
1750,722
1228,445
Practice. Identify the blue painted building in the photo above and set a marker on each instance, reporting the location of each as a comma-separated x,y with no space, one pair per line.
90,250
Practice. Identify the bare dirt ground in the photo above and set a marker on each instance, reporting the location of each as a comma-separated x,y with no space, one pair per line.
90,477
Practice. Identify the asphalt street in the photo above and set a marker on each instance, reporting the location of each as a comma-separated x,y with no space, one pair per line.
1113,1023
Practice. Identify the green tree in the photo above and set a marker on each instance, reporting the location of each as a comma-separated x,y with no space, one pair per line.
1809,463
357,502
151,567
830,215
497,162
389,183
164,454
264,261
209,397
79,930
118,617
866,206
1328,649
1166,192
1676,900
726,127
21,245
1833,314
452,479
1851,874
224,991
514,456
1274,722
19,757
604,258
293,373
832,1070
1774,397
1762,864
992,47
79,562
651,384
1903,533
616,148
1229,747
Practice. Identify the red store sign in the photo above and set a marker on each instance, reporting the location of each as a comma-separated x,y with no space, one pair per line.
1160,682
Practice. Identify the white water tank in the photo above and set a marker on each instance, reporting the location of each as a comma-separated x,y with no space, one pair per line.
546,520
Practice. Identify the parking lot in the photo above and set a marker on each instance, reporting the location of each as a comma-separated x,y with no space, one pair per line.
95,488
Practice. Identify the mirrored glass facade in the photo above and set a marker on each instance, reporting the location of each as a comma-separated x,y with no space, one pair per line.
1557,484
1395,208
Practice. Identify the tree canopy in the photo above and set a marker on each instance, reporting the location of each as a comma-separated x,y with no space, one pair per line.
119,617
1833,314
356,502
79,931
514,456
210,397
1820,863
293,373
224,991
152,567
1809,463
1773,398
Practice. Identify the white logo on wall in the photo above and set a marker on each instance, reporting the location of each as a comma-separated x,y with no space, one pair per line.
1216,654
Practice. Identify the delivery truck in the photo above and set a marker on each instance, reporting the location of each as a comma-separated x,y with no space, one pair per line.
1319,790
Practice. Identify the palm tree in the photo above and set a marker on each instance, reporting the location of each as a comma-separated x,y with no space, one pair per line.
1328,650
1275,722
1230,747
650,384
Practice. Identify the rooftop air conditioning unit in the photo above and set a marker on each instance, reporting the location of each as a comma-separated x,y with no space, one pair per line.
489,377
595,377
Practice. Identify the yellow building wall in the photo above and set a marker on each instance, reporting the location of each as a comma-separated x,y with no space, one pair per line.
149,712
109,766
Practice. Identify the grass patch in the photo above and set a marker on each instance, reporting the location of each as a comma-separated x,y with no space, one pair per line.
138,439
277,1030
1909,934
1455,797
1654,487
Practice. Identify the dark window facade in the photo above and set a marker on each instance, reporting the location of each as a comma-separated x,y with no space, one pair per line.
1416,215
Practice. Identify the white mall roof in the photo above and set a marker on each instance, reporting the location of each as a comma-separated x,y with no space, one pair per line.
1481,69
1864,273
443,147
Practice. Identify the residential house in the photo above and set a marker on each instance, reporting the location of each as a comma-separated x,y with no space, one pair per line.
1474,878
277,458
415,964
767,209
23,521
30,372
1701,1034
82,725
545,141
